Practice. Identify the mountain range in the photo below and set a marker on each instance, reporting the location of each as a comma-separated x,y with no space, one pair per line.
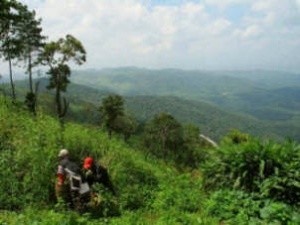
261,103
261,94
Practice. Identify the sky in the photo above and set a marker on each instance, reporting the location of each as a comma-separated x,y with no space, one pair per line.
186,34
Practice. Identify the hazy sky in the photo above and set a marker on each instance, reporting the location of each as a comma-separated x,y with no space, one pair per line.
204,34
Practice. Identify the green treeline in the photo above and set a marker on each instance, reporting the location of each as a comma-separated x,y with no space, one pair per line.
22,41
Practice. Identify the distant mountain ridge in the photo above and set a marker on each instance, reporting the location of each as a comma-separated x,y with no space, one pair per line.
214,102
270,97
237,91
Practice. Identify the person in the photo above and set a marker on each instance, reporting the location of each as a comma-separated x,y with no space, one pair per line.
68,180
95,173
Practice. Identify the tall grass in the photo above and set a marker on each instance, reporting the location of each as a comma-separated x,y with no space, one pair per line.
150,188
250,182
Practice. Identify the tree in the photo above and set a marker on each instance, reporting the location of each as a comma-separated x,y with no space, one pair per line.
57,55
12,14
236,137
125,125
163,136
32,43
111,108
195,150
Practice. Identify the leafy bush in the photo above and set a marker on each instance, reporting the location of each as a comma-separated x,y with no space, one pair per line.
103,203
238,207
182,193
285,184
280,213
137,185
236,137
230,204
268,168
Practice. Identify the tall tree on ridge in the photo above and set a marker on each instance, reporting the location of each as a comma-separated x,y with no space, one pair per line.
163,136
56,55
112,107
32,43
11,16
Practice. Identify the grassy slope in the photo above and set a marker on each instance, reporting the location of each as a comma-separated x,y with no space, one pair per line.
150,191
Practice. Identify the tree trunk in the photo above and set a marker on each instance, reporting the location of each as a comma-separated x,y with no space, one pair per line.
30,73
11,78
58,103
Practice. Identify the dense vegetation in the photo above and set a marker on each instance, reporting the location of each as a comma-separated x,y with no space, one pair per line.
244,181
29,149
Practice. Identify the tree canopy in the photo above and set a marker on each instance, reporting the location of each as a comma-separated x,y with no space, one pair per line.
111,108
20,36
56,55
163,135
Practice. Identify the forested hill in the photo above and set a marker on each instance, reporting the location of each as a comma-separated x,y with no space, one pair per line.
265,95
181,83
212,120
267,102
184,83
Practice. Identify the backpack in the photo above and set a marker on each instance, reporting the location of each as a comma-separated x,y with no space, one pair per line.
75,178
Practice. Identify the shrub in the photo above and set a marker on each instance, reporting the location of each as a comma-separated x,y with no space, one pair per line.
182,193
229,204
285,184
103,203
238,207
280,213
236,137
268,168
137,185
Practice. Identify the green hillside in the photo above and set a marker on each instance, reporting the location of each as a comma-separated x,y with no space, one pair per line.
267,79
269,96
212,120
232,90
30,145
186,84
192,85
225,188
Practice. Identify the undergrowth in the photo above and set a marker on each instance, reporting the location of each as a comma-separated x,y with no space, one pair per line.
247,182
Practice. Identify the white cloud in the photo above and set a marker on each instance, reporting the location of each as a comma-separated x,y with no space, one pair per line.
219,26
252,31
186,35
225,3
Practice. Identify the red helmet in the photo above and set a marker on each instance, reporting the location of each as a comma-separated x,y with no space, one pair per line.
88,162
